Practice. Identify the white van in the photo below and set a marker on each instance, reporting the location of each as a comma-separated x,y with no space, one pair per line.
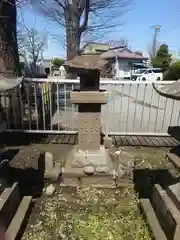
150,74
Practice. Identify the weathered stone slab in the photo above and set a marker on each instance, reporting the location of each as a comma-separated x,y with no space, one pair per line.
174,193
152,220
16,225
89,97
98,180
71,182
89,130
79,159
26,158
166,211
9,201
174,159
107,142
53,170
81,179
123,164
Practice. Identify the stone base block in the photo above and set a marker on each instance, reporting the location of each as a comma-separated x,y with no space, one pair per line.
54,174
71,182
76,177
123,163
107,142
98,180
80,159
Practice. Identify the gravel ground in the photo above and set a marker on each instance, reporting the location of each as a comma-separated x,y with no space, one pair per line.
89,213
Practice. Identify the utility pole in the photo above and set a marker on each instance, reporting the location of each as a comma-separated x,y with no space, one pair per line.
156,29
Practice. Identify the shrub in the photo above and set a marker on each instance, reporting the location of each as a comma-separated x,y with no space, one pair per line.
57,62
173,73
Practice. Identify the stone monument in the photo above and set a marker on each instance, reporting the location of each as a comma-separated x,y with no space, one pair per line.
89,98
102,165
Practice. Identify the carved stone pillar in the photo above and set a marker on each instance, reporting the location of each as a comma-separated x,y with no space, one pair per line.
89,99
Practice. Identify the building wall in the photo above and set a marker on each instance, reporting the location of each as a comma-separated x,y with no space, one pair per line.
96,48
125,68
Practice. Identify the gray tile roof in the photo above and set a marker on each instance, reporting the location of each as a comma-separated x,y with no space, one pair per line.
123,53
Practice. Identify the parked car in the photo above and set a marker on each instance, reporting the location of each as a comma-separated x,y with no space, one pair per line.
150,74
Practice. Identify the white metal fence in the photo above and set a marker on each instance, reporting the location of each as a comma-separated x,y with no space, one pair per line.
134,108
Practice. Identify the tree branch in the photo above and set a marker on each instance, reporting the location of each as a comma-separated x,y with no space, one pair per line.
86,16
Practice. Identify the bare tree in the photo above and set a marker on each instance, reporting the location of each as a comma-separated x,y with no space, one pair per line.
31,45
81,17
118,43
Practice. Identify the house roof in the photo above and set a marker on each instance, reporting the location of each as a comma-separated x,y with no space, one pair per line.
140,65
169,90
96,46
123,53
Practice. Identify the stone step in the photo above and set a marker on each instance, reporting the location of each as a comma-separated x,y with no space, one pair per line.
88,180
152,220
19,219
76,177
9,202
173,192
166,212
174,159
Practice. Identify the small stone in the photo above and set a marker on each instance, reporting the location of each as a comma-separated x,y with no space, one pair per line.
89,170
49,162
115,174
63,236
50,190
102,169
118,152
38,224
107,142
121,172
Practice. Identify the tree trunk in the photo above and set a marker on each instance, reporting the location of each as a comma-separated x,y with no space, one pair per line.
72,38
72,28
73,44
9,58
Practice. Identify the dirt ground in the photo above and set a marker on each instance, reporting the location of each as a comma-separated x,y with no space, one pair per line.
89,213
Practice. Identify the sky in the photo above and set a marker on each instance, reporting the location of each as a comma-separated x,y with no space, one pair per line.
136,27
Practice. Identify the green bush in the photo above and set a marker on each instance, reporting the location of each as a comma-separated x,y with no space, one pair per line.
57,62
173,73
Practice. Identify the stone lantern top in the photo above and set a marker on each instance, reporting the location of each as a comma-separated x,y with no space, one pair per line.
171,90
7,83
87,62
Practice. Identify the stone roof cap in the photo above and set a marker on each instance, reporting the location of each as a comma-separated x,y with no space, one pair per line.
171,90
7,83
87,62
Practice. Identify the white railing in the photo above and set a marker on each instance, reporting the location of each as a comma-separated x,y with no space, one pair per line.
134,108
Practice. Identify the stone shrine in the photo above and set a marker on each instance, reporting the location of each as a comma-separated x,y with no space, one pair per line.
89,98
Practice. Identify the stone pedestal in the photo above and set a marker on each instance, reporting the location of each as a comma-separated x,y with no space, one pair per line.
89,151
97,158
